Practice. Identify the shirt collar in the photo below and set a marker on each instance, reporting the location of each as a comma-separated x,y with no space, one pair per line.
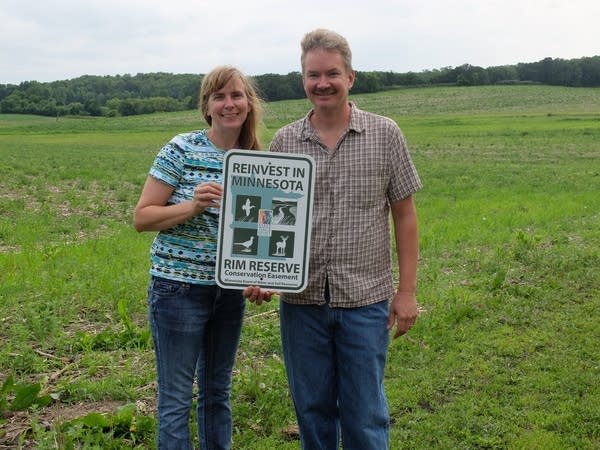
356,124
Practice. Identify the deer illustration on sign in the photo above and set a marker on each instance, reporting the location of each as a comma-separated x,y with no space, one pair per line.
281,244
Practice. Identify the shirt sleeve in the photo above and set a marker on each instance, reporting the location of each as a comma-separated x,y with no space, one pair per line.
168,165
275,145
404,179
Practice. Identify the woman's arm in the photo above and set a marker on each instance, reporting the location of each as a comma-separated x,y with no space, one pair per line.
152,213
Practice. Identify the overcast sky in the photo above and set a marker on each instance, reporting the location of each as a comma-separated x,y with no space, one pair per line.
47,40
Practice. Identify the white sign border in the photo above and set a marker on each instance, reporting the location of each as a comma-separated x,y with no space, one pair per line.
304,222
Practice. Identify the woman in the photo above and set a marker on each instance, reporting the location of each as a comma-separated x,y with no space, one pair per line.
195,324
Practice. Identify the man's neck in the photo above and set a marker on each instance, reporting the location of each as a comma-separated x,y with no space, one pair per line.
331,125
331,119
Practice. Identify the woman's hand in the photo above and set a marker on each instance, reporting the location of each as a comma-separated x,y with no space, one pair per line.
207,195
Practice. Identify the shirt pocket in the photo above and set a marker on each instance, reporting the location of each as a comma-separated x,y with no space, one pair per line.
363,186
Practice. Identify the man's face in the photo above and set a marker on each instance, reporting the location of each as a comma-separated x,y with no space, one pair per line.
326,79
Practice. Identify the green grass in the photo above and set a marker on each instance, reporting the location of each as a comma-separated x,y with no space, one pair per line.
505,355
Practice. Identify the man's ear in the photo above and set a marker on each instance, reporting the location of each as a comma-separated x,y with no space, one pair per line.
351,79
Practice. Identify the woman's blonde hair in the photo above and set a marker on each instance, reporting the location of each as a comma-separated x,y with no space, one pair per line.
216,79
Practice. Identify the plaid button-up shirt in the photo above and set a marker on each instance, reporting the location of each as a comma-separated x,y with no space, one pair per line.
351,247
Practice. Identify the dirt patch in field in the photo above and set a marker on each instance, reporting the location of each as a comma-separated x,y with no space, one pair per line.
18,424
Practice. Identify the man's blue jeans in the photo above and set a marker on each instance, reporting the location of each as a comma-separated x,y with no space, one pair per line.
335,361
196,331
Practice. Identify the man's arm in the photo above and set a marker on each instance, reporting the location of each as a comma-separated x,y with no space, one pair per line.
404,309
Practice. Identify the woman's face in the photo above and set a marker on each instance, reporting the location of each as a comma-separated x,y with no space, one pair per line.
228,107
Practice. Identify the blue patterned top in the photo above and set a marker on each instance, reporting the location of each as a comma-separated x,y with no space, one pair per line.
187,252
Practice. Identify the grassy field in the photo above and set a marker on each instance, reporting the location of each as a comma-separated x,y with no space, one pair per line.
505,356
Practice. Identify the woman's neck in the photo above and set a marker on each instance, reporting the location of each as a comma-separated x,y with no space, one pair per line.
224,140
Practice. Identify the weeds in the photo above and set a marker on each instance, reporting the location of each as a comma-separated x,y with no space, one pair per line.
505,354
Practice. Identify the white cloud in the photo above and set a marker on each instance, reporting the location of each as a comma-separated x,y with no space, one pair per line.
58,39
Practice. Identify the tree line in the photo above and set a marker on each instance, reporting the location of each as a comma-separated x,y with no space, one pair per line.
156,92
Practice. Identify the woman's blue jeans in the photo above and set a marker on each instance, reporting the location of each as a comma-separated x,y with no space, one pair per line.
335,361
196,331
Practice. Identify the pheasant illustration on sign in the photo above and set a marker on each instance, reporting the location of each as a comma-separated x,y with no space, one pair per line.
244,242
247,245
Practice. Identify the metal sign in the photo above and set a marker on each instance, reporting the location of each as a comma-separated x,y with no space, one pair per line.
266,218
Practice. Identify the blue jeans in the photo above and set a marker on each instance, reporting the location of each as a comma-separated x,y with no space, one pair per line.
196,331
335,361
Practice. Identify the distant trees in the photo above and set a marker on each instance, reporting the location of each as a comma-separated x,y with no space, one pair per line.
583,72
152,92
103,95
274,87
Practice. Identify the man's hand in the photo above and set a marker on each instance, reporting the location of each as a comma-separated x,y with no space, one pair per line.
258,295
403,312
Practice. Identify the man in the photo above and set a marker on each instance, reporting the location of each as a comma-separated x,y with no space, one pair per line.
335,333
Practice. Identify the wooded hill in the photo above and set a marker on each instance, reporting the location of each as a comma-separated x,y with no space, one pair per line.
152,92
